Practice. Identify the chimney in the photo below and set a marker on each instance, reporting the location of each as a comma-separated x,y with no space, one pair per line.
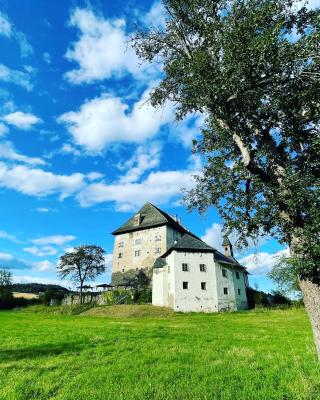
227,247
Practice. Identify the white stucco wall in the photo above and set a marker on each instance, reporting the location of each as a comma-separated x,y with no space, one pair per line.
168,284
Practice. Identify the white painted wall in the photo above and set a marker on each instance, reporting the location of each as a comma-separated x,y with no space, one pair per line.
167,289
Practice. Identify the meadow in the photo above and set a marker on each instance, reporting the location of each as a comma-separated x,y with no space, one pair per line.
140,352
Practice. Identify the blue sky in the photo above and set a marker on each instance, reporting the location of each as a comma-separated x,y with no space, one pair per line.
80,148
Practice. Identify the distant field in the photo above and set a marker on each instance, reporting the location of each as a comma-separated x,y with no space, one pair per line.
27,296
136,352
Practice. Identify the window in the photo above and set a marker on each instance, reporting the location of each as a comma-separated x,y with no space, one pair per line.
120,255
203,285
237,275
203,268
224,273
185,285
122,269
185,267
121,244
239,292
225,290
137,253
157,238
158,250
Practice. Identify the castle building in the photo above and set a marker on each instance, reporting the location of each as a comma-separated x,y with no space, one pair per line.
187,274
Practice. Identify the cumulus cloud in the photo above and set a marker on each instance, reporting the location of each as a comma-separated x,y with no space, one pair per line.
145,158
9,261
213,236
261,263
21,120
41,251
37,182
5,25
46,58
19,78
107,119
102,49
54,239
158,187
44,266
8,152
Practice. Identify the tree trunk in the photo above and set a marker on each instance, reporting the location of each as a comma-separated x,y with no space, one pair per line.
81,293
311,298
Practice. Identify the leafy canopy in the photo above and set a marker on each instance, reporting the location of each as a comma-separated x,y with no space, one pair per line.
252,67
83,263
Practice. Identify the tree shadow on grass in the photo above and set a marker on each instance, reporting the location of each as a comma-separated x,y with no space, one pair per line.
41,351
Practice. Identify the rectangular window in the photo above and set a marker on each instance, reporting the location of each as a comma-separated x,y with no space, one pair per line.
203,285
120,255
237,275
137,253
203,268
158,238
158,250
239,292
224,273
225,290
185,267
121,244
185,285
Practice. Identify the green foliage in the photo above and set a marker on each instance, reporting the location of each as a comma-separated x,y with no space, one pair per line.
84,263
36,287
5,278
241,356
252,69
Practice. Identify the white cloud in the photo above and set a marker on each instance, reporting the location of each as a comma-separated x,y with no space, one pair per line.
69,149
44,266
21,120
8,30
8,152
3,129
7,236
156,16
159,187
145,158
54,239
17,77
41,251
107,119
102,49
93,176
5,25
9,261
213,236
37,182
46,57
45,210
263,262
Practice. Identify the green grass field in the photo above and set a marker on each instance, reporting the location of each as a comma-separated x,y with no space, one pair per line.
136,352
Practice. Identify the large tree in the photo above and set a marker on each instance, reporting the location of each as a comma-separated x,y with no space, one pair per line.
252,67
83,263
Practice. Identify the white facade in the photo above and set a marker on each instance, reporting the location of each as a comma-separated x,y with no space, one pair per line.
191,281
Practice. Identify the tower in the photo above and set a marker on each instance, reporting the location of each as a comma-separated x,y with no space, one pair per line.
227,246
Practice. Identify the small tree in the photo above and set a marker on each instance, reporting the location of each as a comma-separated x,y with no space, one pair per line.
82,264
5,278
6,298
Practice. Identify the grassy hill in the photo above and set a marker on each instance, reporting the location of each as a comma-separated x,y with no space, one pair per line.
140,352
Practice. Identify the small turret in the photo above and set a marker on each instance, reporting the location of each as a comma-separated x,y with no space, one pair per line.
227,246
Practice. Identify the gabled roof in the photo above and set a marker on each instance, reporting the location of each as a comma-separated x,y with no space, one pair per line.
151,216
194,244
226,241
190,243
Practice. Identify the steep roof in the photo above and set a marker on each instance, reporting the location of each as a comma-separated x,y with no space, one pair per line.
226,241
190,243
151,216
